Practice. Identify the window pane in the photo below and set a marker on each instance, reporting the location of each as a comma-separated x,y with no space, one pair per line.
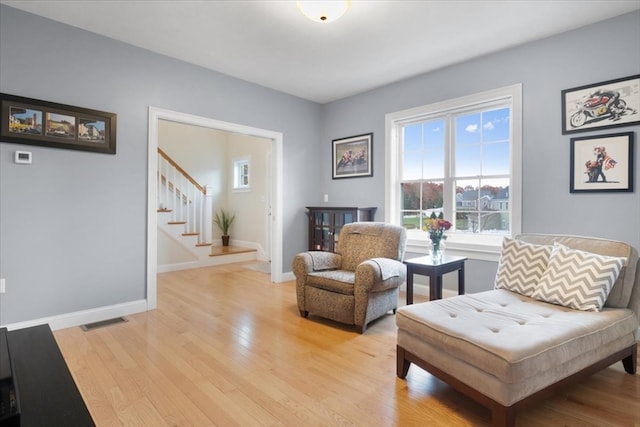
497,190
494,217
467,222
411,220
412,138
468,129
410,195
412,166
495,125
494,222
467,160
495,158
433,163
432,195
468,199
434,146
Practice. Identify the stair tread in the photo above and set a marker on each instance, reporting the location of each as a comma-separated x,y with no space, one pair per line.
227,250
177,222
190,234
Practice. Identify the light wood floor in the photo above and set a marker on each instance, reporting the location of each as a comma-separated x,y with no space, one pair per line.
228,348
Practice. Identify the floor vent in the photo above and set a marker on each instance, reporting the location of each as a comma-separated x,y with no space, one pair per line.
103,323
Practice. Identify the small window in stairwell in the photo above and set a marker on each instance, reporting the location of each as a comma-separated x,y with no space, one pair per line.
241,174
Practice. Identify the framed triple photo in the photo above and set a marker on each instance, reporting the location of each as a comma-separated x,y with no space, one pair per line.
36,122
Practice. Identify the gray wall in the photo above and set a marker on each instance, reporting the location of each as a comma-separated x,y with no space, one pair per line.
73,224
603,51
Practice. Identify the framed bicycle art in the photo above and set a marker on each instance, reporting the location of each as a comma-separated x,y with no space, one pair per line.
601,105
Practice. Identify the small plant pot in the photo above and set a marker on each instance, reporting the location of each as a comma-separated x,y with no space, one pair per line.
225,240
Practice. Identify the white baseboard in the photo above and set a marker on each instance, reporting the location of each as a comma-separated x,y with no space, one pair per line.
287,276
77,318
165,268
208,262
423,290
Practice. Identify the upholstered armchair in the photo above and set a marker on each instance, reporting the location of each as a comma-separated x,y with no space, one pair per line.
358,283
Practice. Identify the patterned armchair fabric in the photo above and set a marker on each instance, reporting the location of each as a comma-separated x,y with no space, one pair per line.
358,283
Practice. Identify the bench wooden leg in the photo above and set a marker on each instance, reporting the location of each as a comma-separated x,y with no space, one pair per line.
402,364
503,416
630,362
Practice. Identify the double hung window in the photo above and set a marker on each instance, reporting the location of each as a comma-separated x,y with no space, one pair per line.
458,160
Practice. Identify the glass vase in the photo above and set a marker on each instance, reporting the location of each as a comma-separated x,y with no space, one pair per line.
436,250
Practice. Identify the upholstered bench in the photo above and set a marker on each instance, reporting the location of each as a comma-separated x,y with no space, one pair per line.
505,349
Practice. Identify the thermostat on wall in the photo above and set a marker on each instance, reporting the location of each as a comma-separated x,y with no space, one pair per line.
23,157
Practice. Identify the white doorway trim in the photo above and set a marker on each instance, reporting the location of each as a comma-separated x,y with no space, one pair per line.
156,114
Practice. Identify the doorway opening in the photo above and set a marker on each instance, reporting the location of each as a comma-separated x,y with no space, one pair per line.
274,223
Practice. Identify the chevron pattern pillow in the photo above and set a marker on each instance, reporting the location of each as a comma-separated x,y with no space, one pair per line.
521,266
578,279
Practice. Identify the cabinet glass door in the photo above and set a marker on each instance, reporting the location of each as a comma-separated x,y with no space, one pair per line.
321,230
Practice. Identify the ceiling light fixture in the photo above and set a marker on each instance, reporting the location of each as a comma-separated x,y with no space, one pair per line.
323,11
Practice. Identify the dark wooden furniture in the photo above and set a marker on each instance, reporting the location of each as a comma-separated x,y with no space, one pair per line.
505,416
325,224
48,394
9,399
426,266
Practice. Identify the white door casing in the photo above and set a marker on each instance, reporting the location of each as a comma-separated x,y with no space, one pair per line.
276,200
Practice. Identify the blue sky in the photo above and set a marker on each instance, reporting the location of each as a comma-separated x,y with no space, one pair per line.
27,114
482,146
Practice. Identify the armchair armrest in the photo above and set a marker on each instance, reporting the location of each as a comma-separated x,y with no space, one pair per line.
307,262
378,274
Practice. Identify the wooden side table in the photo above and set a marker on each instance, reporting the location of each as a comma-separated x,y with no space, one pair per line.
426,266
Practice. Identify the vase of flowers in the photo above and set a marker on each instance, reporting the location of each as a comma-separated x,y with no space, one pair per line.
436,227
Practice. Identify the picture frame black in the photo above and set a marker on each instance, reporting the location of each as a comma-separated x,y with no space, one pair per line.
602,163
48,124
352,157
602,105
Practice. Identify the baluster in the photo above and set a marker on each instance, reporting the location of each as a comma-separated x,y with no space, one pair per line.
201,235
189,187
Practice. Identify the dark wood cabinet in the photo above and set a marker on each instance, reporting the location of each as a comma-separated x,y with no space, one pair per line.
325,224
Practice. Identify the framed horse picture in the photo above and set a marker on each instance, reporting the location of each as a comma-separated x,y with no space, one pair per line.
602,163
353,157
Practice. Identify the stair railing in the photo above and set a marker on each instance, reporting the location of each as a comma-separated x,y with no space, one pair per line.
186,199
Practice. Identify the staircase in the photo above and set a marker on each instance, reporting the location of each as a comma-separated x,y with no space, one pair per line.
185,214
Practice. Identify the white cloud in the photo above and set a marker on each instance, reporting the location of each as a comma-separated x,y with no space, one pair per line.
488,126
472,128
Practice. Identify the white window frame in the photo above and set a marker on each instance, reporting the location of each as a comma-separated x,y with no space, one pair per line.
474,246
238,163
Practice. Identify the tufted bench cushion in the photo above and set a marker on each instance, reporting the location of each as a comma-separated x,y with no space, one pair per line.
509,343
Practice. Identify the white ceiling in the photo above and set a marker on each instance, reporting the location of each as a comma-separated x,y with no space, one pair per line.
376,43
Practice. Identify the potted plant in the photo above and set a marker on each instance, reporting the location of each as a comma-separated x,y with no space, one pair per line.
224,220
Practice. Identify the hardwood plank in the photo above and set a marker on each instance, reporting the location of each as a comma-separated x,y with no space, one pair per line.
226,347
